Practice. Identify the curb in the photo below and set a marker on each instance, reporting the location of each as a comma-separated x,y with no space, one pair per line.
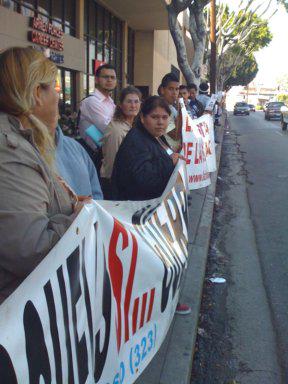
173,362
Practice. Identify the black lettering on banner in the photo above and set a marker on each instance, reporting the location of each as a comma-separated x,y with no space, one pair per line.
162,239
36,350
54,331
73,267
86,293
66,324
7,372
166,287
101,356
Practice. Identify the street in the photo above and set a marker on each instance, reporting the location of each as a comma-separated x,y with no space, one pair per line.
243,327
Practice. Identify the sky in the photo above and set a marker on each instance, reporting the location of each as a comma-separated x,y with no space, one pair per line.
272,60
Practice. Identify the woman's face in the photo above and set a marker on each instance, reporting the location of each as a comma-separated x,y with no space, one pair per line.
46,108
130,105
156,122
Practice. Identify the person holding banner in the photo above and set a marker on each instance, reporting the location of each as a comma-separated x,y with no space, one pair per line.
184,93
144,162
194,103
125,113
169,90
36,206
203,96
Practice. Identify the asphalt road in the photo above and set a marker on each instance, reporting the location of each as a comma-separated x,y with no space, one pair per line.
265,153
243,330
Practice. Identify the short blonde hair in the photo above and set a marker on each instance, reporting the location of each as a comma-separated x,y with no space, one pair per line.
23,69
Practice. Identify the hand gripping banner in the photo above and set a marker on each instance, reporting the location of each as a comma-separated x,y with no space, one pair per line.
98,307
198,148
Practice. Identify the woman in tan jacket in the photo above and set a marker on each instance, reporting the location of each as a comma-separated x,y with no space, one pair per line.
125,113
36,208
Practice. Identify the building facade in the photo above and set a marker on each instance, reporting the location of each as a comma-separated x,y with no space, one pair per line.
80,35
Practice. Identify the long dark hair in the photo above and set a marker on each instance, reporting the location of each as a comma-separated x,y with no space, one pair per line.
118,114
149,105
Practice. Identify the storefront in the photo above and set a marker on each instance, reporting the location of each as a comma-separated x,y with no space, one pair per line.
79,35
103,36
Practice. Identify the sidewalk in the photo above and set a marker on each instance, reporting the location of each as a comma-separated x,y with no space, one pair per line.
173,362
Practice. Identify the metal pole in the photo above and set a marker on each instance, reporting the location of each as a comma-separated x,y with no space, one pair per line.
213,46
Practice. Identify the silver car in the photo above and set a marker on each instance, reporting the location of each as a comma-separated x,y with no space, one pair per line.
241,108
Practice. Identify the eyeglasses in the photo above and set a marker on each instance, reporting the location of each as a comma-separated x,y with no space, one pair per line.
107,77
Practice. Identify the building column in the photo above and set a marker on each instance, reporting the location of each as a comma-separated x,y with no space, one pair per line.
80,4
125,54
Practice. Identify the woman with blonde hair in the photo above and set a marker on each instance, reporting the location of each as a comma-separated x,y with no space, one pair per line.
36,207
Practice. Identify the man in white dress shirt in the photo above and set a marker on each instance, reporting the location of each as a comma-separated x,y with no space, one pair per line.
98,108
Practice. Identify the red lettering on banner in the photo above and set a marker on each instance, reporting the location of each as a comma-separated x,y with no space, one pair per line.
143,309
200,129
116,273
199,158
130,286
208,150
198,178
188,126
135,315
188,152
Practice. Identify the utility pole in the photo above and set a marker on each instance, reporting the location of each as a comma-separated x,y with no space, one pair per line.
213,46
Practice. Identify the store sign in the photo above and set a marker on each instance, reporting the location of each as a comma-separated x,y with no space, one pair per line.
46,27
56,57
46,41
96,64
48,36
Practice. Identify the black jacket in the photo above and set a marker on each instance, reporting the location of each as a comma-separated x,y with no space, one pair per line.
142,167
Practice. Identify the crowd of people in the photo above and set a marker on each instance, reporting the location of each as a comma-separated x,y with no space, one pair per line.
128,152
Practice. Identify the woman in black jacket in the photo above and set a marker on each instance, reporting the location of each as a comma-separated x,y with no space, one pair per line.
144,162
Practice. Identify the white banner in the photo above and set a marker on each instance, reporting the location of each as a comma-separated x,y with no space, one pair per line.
198,148
210,106
98,307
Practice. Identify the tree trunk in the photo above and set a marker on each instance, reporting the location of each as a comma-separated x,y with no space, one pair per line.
178,38
198,31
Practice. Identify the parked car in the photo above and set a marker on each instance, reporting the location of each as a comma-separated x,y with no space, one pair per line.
284,117
241,108
252,107
273,110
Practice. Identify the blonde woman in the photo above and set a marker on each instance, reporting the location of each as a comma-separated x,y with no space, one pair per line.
125,113
35,207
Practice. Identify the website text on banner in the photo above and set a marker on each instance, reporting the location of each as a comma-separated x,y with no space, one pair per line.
98,307
198,148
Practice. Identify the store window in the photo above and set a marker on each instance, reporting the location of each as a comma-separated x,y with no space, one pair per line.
65,85
59,12
103,37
